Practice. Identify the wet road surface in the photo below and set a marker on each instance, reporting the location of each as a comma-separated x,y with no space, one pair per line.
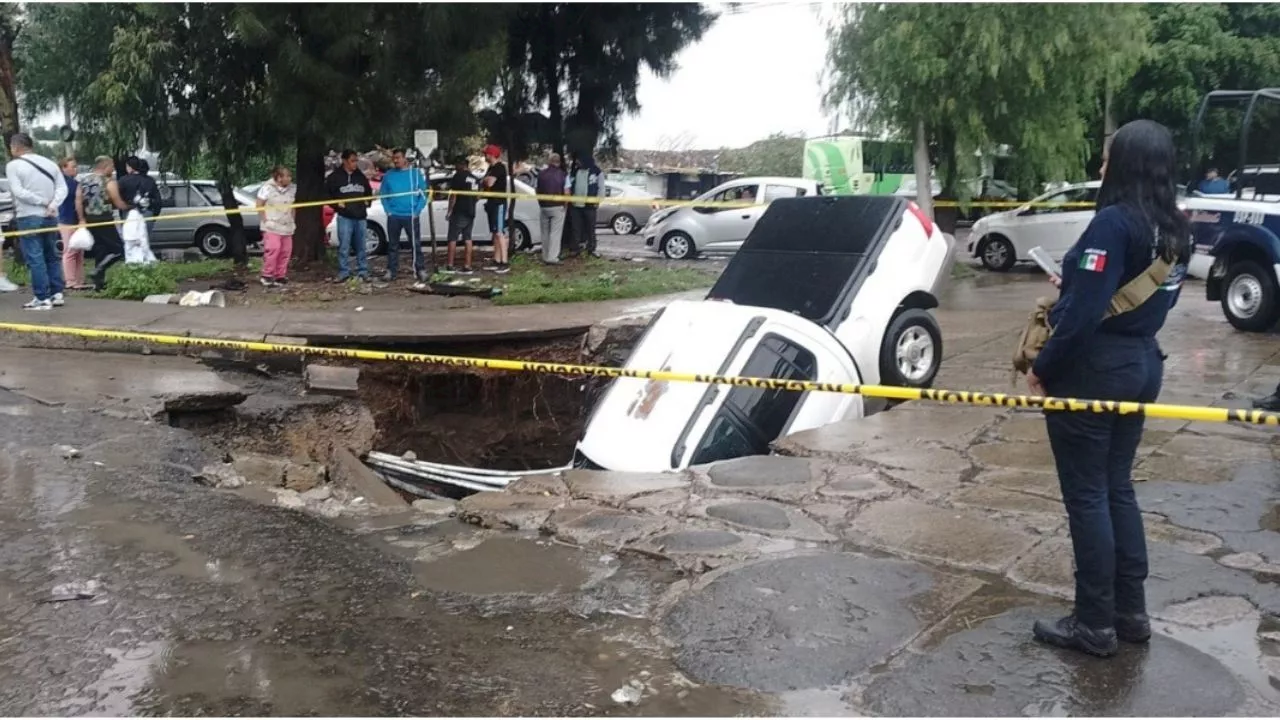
890,566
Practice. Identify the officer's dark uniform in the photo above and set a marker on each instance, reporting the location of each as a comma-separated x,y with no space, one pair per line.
1114,359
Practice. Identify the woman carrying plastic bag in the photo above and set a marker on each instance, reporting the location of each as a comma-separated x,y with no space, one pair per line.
143,195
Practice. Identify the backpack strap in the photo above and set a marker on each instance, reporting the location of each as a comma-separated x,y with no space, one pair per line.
1140,289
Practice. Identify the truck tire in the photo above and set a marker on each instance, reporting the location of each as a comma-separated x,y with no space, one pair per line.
1249,297
912,350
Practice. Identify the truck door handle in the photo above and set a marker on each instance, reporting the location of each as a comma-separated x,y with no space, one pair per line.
746,217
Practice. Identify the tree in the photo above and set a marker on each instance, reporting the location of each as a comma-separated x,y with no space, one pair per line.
10,23
965,79
1196,48
779,155
585,60
228,83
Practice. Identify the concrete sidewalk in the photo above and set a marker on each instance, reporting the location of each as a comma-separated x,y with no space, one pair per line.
383,327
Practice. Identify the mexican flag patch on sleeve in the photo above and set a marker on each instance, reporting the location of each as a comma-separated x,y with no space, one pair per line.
1093,260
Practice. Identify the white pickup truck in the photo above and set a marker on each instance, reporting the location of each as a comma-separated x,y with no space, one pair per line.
829,289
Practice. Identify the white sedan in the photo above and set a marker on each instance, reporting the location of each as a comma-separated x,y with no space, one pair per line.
523,231
1050,221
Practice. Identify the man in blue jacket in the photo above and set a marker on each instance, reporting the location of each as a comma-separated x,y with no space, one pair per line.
404,197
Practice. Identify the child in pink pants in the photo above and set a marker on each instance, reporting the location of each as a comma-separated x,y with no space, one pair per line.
275,208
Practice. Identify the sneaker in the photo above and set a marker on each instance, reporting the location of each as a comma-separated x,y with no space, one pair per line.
420,285
468,270
338,280
7,285
58,300
503,269
266,281
424,276
282,281
595,254
1071,634
449,270
388,276
38,305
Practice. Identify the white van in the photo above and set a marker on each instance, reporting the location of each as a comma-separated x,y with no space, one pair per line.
827,289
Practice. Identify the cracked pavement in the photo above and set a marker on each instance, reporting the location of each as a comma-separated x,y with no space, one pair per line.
886,566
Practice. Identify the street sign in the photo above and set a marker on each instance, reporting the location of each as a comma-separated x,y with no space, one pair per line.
426,141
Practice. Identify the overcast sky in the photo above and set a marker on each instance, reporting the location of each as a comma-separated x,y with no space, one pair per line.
753,73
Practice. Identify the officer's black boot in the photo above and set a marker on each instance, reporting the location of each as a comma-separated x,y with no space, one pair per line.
1070,633
1270,402
1133,627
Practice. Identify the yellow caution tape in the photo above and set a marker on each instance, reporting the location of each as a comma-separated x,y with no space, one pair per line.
961,397
432,196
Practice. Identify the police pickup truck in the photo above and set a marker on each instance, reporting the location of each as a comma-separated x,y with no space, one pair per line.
1237,235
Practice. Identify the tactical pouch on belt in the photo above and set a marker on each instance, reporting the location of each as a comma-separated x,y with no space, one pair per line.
1037,332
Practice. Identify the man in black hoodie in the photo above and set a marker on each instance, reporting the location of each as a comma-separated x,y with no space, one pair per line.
351,192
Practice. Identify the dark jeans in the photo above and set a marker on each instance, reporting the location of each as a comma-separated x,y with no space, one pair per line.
584,229
107,250
411,226
41,253
1094,455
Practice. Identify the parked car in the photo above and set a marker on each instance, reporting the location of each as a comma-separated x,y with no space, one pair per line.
523,232
825,289
625,218
683,232
1002,240
210,230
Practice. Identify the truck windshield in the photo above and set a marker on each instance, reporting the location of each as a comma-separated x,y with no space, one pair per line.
751,418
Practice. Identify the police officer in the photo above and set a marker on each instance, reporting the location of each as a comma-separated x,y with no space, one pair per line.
1093,356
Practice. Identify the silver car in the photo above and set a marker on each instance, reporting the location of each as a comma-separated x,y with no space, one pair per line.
210,230
630,210
682,232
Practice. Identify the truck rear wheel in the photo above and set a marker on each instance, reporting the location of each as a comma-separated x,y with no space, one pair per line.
912,350
1249,297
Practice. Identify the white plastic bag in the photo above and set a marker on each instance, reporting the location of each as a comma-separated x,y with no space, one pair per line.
137,246
81,240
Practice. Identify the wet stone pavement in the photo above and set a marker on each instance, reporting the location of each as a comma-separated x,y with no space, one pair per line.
890,566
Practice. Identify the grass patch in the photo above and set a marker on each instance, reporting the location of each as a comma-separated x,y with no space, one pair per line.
962,271
594,280
135,282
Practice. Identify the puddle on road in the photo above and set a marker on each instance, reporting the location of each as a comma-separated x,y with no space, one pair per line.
509,566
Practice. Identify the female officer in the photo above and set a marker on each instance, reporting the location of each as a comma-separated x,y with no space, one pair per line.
1095,356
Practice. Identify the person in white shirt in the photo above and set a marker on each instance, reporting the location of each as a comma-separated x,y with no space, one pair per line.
38,189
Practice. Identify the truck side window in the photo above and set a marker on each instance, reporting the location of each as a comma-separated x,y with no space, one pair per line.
751,418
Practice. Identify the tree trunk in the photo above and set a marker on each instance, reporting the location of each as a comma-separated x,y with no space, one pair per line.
1108,117
8,87
309,237
238,246
924,176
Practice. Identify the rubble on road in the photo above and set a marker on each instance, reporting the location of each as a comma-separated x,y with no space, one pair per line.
332,380
220,475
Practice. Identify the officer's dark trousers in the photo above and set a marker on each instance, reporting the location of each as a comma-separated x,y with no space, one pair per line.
1094,454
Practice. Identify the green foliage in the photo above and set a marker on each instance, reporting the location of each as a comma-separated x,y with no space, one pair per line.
779,155
979,76
1198,47
17,272
135,282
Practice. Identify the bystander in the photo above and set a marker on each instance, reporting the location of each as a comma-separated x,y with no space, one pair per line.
587,188
404,197
351,194
461,214
497,180
552,181
38,190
